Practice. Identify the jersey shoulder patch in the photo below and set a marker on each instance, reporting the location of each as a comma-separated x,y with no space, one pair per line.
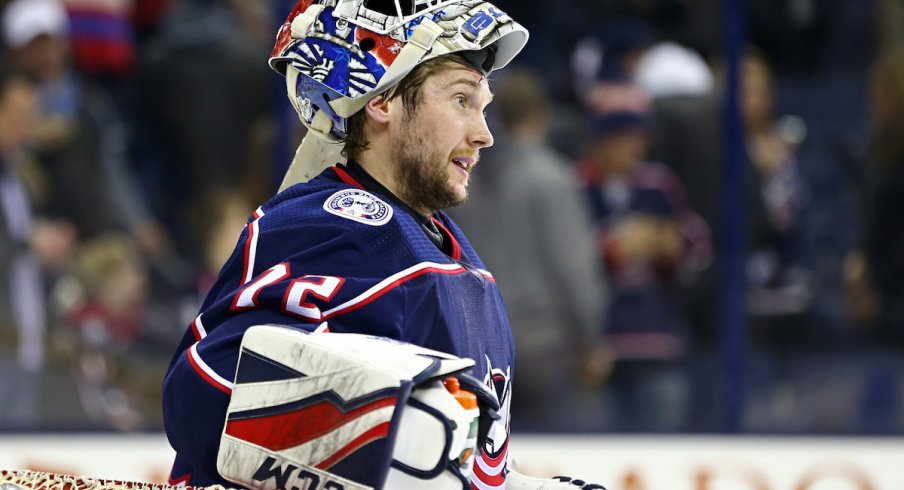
359,205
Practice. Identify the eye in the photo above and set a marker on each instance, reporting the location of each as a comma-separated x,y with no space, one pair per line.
461,99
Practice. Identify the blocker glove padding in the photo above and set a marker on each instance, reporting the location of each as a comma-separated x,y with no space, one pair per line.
349,411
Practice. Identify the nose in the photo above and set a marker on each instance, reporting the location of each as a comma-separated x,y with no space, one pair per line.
480,135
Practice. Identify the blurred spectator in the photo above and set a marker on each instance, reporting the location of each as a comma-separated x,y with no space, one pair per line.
22,309
610,52
113,275
873,273
777,281
107,319
526,215
650,240
688,136
81,140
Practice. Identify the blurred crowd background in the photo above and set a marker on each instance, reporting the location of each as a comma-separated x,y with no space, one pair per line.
137,136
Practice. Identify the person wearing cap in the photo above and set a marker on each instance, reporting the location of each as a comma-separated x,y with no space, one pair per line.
36,35
33,33
648,238
81,140
22,307
357,242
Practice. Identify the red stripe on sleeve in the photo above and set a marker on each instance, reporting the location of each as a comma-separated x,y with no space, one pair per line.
252,232
204,375
371,297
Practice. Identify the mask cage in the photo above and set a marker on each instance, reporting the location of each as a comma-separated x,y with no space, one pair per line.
385,16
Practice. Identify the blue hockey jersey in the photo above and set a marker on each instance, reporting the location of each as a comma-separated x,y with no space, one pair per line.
333,255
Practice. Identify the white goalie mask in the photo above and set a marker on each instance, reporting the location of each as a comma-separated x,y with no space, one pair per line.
338,54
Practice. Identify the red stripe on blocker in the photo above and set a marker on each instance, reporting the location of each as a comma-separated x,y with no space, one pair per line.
377,432
285,430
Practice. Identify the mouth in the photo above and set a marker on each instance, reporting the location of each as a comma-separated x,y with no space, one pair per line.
465,163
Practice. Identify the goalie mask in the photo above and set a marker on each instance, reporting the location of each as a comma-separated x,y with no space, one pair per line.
338,54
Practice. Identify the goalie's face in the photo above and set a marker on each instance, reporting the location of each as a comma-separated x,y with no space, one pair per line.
437,145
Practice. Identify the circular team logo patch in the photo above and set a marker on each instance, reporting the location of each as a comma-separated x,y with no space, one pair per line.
360,206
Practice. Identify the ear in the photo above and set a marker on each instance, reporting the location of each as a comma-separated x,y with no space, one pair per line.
379,109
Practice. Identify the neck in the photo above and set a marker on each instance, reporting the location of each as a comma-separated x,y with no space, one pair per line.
375,163
378,163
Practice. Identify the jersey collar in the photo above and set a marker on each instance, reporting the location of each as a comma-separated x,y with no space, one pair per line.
354,174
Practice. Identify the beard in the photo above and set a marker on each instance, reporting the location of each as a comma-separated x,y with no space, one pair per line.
423,172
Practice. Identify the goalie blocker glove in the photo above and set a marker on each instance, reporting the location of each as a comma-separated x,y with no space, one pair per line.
338,411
